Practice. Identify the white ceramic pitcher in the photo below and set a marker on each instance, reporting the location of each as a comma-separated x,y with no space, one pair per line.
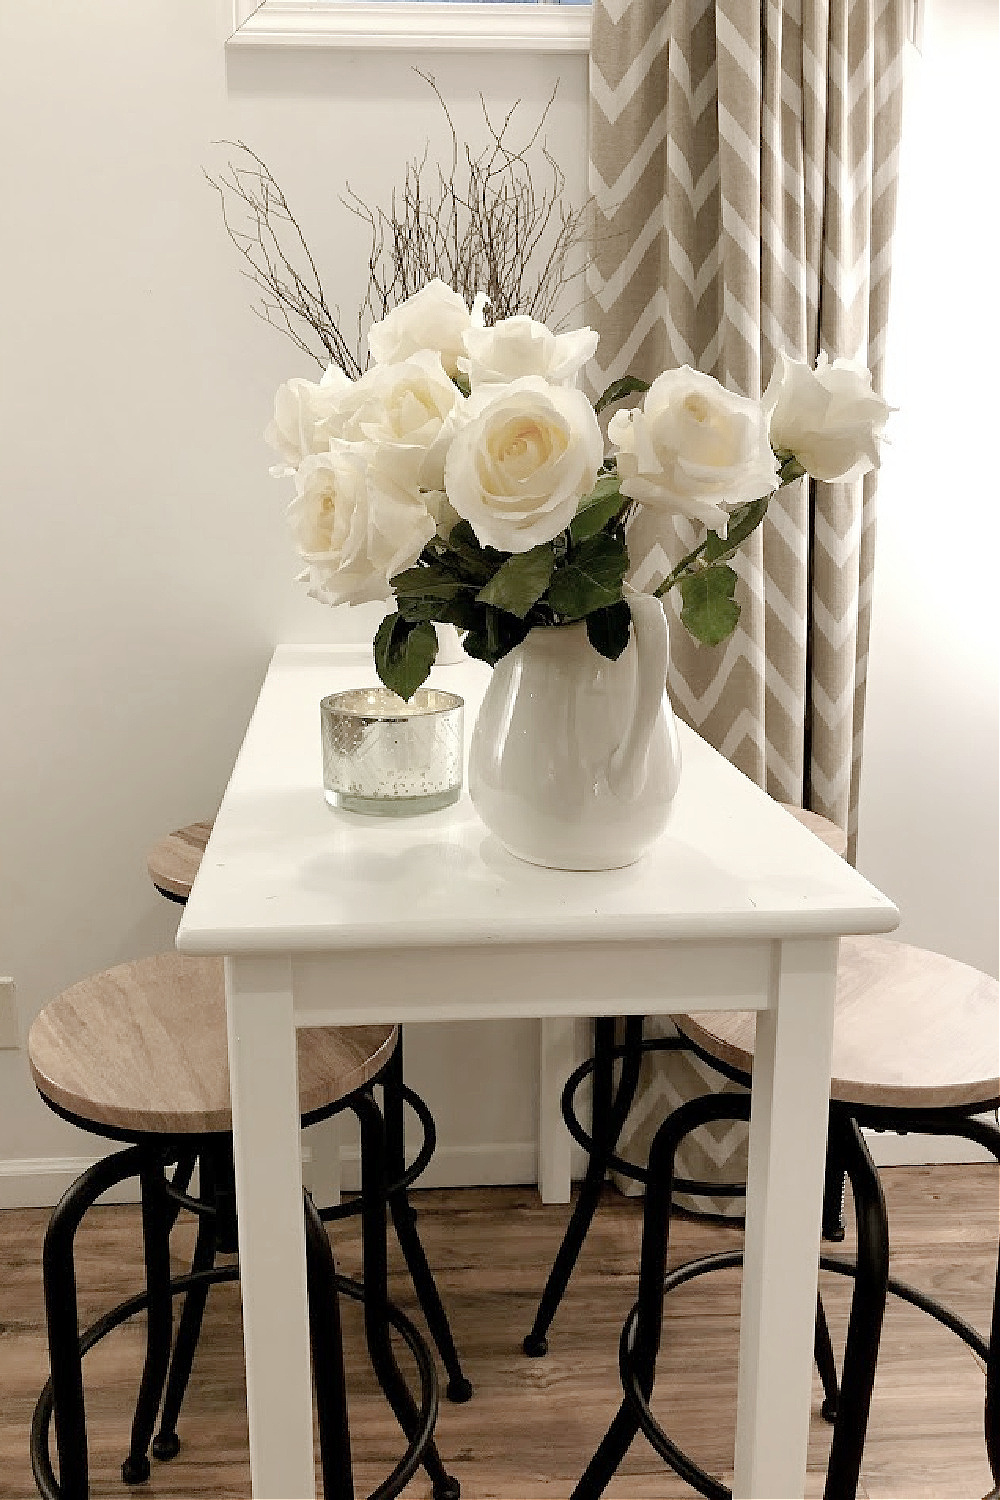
574,760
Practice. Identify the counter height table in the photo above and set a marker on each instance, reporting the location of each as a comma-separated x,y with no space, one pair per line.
329,918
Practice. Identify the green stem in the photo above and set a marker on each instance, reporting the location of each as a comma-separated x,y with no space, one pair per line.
679,571
790,470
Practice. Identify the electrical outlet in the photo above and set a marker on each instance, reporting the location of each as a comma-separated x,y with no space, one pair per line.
8,1015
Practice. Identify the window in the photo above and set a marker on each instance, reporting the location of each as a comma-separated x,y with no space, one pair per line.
461,25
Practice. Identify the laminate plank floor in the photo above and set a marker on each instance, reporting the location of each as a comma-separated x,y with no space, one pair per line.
533,1424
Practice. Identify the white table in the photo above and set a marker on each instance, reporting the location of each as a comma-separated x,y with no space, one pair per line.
331,918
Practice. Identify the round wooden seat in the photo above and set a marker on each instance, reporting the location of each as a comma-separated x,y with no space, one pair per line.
912,1030
173,862
832,834
142,1048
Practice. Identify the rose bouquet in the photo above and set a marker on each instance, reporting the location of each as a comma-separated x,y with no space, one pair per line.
464,478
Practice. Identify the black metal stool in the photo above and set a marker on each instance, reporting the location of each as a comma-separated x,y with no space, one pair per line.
611,1103
137,1055
913,1082
173,864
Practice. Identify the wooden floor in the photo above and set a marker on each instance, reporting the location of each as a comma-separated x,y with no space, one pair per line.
533,1423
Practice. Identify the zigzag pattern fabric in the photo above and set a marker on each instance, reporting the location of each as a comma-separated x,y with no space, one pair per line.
743,169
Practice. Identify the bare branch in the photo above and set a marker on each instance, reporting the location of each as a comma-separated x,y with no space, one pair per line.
482,222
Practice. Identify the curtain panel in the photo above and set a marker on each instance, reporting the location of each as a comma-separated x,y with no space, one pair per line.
743,169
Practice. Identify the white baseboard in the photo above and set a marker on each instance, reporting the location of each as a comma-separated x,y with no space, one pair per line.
481,1165
889,1150
39,1182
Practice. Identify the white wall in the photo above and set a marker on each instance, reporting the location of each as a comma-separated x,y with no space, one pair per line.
928,814
146,572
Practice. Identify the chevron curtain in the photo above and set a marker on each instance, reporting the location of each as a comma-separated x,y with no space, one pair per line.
743,174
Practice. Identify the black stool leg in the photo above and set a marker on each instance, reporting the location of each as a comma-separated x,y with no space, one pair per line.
65,1361
166,1444
992,1416
639,1357
156,1222
610,1111
867,1310
326,1340
826,1363
373,1230
404,1218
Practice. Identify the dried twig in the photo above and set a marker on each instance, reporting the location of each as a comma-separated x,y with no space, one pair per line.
480,224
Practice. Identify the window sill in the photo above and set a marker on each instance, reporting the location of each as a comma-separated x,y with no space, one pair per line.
410,24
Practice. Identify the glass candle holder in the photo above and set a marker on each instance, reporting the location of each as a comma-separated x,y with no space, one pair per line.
391,757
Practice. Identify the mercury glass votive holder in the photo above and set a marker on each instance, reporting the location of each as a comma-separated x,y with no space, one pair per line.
391,757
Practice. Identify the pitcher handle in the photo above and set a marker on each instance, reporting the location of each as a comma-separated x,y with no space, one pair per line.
627,772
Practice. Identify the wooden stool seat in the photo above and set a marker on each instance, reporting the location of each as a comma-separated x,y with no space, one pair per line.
142,1048
912,1030
832,835
173,862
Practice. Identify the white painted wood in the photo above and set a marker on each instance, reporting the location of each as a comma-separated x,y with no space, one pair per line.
411,24
788,1123
428,919
503,981
266,1138
557,1057
285,874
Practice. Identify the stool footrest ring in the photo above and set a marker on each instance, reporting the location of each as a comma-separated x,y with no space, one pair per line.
41,1464
664,1445
692,1186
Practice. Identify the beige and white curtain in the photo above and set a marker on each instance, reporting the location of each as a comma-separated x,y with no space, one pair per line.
743,173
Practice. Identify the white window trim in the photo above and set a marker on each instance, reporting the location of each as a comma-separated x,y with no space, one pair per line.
410,24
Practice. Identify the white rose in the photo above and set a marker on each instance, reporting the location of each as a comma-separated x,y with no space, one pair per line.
356,522
445,515
433,318
301,408
521,346
829,418
407,404
693,448
518,467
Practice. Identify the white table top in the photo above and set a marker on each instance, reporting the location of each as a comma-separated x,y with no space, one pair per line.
284,873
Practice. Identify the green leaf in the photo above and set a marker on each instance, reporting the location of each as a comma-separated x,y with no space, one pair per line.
608,629
463,555
715,547
404,654
521,581
744,520
430,582
494,634
596,509
710,612
591,578
461,380
618,389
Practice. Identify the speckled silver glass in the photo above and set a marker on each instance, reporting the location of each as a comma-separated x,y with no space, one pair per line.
390,757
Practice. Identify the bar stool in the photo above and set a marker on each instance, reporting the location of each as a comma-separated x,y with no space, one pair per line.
173,864
610,1109
915,1049
137,1054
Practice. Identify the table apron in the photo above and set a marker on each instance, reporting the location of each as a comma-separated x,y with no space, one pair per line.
501,981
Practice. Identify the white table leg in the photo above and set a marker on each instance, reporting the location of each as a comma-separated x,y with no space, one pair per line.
557,1058
266,1139
788,1126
